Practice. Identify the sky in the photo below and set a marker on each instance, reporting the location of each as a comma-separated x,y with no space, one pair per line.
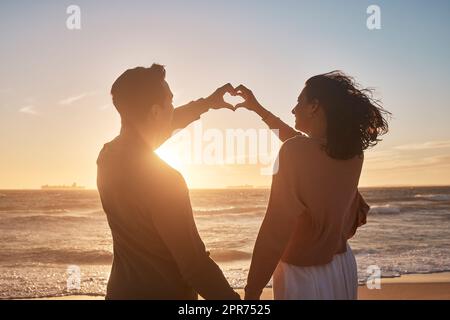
56,111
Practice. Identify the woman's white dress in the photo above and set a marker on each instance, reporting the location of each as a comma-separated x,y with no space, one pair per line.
337,280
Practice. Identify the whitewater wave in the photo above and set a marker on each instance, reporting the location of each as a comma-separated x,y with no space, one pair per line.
94,257
210,209
40,219
434,197
230,210
14,209
384,209
225,255
57,256
366,251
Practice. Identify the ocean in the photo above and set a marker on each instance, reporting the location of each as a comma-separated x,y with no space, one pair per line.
44,232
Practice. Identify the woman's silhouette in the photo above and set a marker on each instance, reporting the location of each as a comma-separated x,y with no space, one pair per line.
314,205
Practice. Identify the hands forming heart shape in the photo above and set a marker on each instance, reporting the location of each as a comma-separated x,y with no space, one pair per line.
217,101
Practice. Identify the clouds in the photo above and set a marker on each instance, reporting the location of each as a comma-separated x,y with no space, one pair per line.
106,106
416,163
425,145
29,109
72,99
430,154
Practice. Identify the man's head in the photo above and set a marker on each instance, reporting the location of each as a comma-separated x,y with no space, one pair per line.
144,100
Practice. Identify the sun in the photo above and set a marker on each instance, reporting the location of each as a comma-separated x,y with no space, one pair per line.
170,155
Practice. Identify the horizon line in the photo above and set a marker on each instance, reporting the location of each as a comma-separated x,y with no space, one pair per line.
254,188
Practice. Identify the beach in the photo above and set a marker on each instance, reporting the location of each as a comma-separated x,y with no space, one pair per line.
435,286
406,236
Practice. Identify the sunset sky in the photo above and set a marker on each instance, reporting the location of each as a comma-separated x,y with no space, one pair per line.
56,111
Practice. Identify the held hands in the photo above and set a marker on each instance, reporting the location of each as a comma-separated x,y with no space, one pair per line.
252,296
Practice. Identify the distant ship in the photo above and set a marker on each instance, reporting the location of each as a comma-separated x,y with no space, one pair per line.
74,186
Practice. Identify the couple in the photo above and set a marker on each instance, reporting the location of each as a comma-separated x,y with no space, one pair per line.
314,205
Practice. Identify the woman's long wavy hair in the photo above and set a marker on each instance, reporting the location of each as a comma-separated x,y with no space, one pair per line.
355,119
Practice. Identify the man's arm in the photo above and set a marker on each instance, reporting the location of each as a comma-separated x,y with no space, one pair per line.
174,221
188,113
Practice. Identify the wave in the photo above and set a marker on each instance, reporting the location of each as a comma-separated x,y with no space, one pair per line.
384,209
95,212
358,252
210,209
225,255
14,209
39,219
434,197
58,256
96,257
230,210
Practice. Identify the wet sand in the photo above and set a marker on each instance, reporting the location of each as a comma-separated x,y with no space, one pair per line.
408,287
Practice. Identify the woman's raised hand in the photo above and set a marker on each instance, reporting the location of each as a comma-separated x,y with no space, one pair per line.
250,101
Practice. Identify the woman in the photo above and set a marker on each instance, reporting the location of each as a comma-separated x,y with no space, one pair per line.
314,205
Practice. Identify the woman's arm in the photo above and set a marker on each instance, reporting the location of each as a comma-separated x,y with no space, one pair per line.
285,132
280,220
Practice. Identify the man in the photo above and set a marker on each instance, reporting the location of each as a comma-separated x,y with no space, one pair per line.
158,253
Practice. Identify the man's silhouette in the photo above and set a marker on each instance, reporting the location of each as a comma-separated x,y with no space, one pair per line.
158,253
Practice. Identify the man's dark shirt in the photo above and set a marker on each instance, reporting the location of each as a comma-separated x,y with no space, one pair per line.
158,253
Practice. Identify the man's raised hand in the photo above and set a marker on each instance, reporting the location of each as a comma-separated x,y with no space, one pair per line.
216,101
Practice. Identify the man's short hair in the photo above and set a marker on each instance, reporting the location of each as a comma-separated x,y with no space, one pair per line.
137,89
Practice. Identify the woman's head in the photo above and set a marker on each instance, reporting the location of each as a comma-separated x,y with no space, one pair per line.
350,119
